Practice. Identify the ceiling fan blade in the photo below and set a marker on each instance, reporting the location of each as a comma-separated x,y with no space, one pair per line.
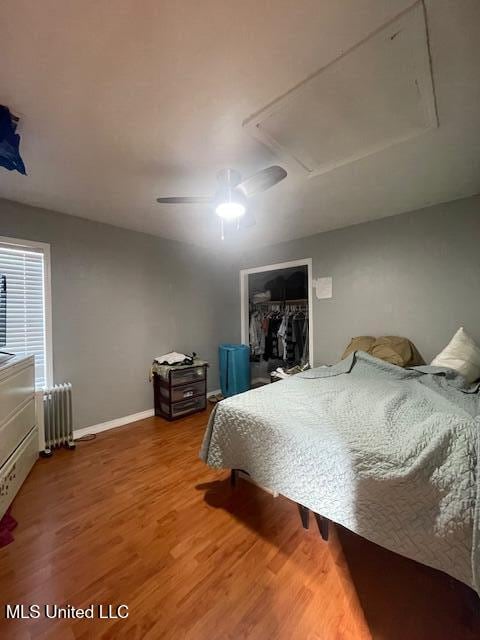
262,180
185,200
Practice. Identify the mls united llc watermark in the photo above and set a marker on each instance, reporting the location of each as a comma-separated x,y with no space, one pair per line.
55,612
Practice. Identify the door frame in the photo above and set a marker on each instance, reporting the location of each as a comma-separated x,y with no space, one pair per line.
244,273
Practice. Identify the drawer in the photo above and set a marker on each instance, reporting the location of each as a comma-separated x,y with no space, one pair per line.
17,468
15,390
15,429
185,376
185,406
184,392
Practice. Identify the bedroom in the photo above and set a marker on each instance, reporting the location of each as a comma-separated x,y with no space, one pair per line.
371,110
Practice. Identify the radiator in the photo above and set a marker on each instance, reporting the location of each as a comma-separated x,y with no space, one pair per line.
58,417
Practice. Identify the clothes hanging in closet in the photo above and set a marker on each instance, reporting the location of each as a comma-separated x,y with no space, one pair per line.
279,335
271,339
289,341
257,336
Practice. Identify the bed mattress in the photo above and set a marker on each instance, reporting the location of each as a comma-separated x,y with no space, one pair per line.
389,453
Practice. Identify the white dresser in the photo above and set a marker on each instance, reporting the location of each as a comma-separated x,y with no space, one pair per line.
18,429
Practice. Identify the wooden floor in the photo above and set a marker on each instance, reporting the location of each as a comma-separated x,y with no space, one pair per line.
135,518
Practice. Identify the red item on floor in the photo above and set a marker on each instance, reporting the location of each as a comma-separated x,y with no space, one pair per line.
7,525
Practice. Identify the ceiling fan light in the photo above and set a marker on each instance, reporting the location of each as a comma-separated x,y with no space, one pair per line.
230,210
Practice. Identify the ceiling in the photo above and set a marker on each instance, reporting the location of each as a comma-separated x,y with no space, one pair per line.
122,101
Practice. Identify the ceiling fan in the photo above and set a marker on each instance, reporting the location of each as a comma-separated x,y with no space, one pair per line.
232,193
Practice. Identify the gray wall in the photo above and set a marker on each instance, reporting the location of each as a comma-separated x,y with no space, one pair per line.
416,275
120,298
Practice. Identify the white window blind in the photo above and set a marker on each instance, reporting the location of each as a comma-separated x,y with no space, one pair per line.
25,273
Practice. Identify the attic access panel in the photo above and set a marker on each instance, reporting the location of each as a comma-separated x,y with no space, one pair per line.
377,94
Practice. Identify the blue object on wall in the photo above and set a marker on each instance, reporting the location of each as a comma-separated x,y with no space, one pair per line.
10,142
234,368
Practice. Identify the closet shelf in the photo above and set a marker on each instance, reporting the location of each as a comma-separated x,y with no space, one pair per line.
298,301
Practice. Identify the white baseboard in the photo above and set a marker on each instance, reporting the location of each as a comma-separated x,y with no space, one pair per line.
120,422
112,424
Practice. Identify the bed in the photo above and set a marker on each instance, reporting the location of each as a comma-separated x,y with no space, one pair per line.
389,453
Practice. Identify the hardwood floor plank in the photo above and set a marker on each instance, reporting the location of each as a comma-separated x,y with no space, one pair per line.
134,517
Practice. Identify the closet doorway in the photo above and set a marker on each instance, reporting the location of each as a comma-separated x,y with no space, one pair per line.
276,316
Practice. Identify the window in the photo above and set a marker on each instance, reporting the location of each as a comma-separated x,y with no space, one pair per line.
26,266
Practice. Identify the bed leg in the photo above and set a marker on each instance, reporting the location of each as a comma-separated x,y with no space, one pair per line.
304,515
322,526
233,477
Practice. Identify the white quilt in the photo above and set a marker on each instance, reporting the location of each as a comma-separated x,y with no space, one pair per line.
389,453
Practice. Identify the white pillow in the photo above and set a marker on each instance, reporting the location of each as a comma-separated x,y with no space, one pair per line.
461,354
